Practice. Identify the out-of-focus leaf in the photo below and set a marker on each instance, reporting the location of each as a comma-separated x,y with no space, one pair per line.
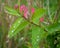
37,35
23,2
53,39
12,11
0,31
50,40
18,25
53,27
38,14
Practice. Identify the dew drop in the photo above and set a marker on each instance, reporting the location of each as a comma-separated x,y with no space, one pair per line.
37,40
37,36
18,21
12,31
14,26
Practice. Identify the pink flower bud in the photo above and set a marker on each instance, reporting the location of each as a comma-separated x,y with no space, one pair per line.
22,8
25,9
25,14
41,19
32,10
16,6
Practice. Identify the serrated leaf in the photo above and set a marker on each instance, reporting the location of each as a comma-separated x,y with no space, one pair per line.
38,14
54,27
12,11
37,35
18,25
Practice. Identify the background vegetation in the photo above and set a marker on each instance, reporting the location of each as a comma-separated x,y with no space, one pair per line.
18,32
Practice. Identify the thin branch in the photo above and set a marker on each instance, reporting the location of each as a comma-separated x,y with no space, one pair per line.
35,24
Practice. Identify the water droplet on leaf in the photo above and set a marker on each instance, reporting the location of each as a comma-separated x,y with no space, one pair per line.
12,31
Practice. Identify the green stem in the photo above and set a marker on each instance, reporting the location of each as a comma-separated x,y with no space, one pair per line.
49,13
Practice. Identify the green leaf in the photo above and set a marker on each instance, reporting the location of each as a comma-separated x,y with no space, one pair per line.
38,14
37,35
54,27
18,25
50,40
12,11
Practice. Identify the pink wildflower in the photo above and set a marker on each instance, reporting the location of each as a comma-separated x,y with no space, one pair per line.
24,9
16,6
41,19
25,15
32,10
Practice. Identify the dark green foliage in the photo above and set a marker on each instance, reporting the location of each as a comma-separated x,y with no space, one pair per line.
54,40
